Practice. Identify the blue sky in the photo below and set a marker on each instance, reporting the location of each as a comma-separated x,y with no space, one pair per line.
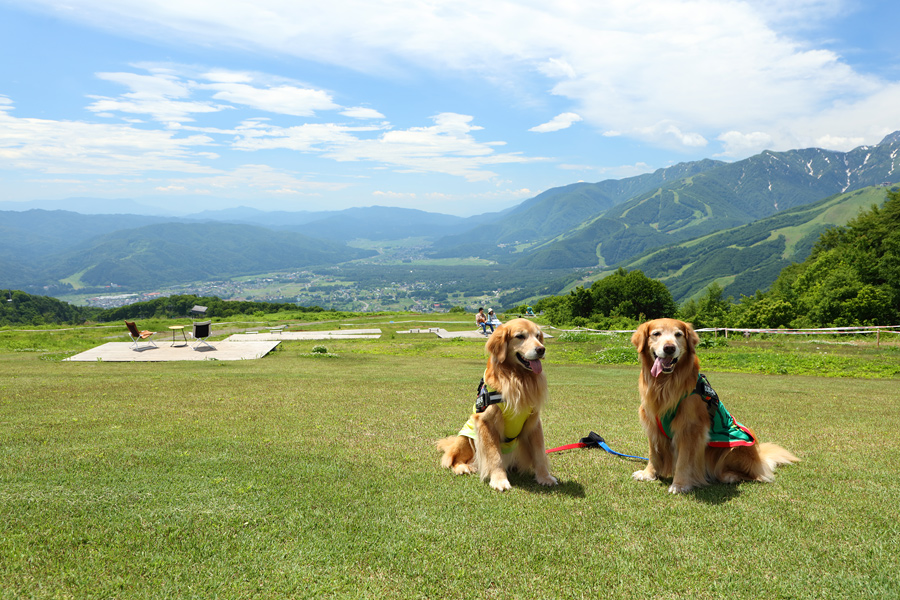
461,107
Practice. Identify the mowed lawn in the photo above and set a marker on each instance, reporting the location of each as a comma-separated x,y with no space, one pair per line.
304,476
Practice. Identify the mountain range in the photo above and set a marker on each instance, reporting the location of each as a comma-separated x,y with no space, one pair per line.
690,224
719,197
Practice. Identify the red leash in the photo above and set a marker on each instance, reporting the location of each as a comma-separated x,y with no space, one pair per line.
571,447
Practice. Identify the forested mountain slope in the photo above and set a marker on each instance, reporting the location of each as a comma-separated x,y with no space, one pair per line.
745,259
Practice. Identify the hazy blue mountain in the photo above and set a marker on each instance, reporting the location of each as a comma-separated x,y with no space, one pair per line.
89,206
34,233
382,223
370,222
277,219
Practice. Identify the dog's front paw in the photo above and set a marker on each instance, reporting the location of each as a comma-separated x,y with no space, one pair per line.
547,479
680,488
643,475
500,483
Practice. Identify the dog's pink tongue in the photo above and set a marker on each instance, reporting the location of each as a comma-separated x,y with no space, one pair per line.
536,366
657,367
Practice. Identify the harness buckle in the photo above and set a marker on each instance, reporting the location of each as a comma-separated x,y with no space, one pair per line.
707,394
486,397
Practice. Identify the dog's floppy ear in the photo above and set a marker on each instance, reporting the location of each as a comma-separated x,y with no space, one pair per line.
639,338
496,344
690,335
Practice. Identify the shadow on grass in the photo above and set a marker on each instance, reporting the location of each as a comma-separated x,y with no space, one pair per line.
717,493
526,482
713,494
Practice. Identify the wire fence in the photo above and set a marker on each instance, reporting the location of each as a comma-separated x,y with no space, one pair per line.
876,329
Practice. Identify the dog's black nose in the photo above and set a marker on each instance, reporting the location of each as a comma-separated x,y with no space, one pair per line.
540,351
669,349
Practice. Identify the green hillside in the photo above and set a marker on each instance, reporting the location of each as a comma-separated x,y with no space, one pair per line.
30,239
749,258
171,253
559,210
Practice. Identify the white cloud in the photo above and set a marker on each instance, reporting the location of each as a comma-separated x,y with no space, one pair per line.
706,67
309,137
557,69
282,99
563,121
257,178
170,95
159,85
51,146
122,153
160,96
167,94
227,76
361,112
737,144
445,147
670,135
161,109
673,73
617,172
395,195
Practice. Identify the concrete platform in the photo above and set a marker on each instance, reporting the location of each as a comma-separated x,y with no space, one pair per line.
340,334
224,350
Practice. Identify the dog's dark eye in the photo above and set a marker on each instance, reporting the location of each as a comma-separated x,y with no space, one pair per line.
521,336
678,334
654,334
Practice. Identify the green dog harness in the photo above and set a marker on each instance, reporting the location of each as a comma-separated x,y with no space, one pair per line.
724,430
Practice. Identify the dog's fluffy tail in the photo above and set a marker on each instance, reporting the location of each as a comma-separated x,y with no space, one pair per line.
459,452
445,445
773,455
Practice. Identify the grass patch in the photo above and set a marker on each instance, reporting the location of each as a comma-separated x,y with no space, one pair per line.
291,478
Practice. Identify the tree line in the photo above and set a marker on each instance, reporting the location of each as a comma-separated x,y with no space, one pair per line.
20,308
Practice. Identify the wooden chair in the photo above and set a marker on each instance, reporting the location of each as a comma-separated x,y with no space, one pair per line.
201,332
139,336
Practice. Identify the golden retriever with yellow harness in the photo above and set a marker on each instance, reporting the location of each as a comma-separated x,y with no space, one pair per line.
693,438
504,430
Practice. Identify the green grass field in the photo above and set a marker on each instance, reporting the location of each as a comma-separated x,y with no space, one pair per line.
314,476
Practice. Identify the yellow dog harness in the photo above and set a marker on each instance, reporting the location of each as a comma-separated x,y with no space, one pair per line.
513,421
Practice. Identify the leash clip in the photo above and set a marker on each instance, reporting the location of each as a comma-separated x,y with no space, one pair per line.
593,438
